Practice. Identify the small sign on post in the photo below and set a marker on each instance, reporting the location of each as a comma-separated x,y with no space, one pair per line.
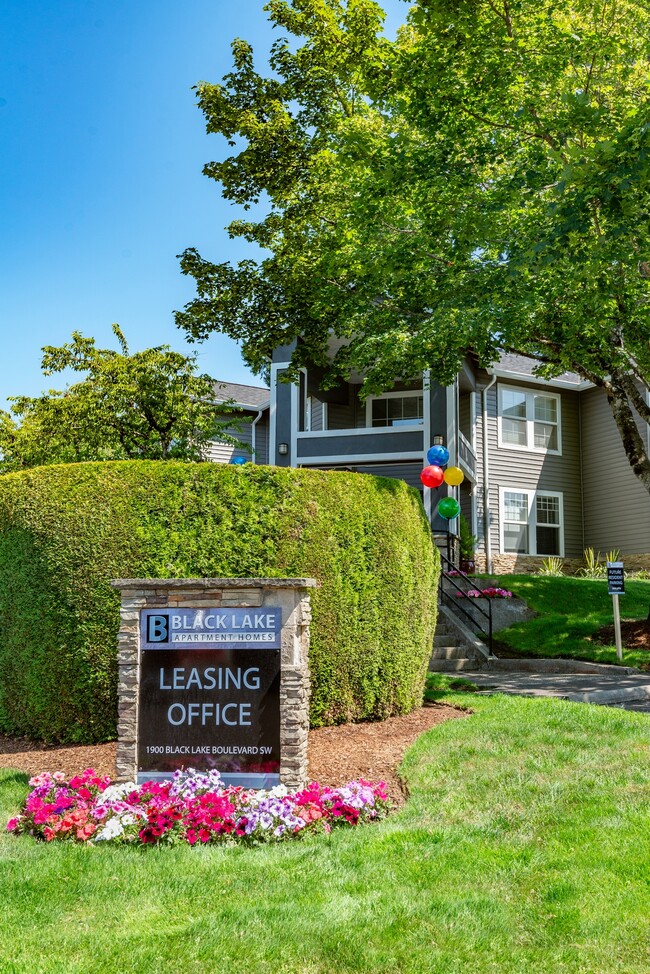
616,587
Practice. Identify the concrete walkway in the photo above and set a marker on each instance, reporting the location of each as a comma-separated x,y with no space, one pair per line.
607,685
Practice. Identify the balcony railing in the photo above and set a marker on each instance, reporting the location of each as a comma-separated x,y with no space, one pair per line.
364,443
466,456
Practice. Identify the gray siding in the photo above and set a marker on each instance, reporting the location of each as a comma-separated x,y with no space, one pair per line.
465,416
220,452
340,417
465,499
526,470
617,506
317,409
348,416
262,439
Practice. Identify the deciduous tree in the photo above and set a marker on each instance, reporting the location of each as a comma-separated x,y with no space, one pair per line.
480,183
144,405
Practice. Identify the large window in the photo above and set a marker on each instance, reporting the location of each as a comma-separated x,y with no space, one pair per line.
529,420
531,522
395,409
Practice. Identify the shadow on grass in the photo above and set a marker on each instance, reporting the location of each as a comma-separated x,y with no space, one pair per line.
439,685
9,776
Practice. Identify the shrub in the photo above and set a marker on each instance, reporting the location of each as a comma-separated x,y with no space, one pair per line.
66,530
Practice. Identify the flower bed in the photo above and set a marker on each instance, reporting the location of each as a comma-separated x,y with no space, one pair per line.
192,807
485,593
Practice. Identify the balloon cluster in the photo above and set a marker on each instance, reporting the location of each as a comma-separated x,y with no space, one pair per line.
433,475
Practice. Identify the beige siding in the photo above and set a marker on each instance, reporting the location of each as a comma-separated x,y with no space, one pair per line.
527,470
617,506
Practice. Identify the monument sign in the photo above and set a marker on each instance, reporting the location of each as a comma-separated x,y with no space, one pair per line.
214,676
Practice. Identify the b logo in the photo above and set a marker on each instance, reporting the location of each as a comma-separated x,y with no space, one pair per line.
157,629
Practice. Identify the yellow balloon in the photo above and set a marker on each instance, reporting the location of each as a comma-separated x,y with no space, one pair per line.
454,476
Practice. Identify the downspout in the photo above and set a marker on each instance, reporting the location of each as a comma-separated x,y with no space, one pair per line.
486,481
253,431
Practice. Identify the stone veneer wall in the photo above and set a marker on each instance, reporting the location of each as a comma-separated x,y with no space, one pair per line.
291,594
530,564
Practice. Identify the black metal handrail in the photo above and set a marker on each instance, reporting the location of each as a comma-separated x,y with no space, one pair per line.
451,543
457,603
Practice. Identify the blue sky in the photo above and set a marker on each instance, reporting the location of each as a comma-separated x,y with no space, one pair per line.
100,172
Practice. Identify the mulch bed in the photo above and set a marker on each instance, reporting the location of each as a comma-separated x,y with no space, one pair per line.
635,634
336,754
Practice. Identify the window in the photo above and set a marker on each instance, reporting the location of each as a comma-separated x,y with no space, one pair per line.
395,409
529,420
531,522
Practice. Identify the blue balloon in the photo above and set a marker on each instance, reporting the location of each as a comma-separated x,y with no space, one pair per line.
238,461
438,456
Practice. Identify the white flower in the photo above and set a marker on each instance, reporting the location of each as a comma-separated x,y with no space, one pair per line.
111,830
130,818
279,791
115,792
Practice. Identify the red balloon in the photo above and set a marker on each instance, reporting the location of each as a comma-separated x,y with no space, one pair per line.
432,476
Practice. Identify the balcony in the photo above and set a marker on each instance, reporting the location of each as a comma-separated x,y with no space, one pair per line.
360,445
466,457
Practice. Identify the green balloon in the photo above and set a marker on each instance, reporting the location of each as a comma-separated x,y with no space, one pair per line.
448,508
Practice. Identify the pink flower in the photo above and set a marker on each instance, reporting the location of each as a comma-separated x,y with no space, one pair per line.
83,834
58,811
39,779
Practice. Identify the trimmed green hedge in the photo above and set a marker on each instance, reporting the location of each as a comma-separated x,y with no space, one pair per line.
66,530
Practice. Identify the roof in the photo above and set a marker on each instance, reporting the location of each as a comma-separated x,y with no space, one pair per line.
255,397
520,366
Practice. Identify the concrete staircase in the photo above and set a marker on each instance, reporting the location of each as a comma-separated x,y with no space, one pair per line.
455,647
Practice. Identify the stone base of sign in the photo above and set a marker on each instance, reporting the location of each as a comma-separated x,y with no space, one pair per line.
290,594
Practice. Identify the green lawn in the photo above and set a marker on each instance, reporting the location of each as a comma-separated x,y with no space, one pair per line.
524,849
571,610
439,685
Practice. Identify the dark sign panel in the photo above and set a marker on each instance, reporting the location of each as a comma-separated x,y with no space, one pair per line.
615,578
209,694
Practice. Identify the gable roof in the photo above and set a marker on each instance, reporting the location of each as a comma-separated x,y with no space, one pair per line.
251,397
521,367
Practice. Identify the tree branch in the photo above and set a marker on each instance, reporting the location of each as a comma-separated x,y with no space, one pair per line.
633,444
634,395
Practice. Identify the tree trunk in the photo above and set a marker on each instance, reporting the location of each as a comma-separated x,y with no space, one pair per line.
633,443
